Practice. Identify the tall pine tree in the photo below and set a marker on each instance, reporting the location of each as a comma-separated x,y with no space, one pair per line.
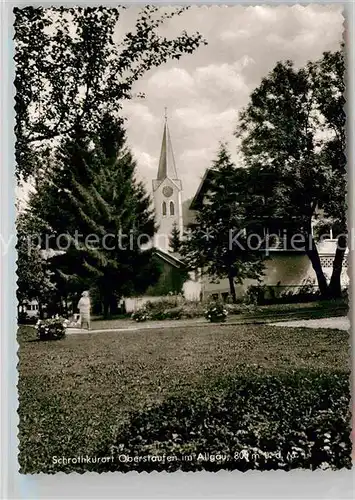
174,239
94,205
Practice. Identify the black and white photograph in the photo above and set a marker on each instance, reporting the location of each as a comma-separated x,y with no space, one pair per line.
182,238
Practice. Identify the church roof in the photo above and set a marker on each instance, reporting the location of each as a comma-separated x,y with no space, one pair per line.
167,166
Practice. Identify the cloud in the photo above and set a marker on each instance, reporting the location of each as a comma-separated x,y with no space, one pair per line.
147,167
205,91
193,154
202,119
145,159
224,76
173,79
232,36
139,111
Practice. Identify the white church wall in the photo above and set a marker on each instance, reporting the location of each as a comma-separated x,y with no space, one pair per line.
166,221
134,303
192,288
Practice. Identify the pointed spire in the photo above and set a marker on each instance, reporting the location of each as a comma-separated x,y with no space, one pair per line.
167,166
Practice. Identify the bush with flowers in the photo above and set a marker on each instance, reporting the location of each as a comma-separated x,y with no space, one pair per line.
140,315
216,312
51,328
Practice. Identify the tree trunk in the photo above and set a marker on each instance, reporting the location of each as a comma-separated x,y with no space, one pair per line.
335,280
76,298
113,305
313,255
232,287
106,304
40,309
66,312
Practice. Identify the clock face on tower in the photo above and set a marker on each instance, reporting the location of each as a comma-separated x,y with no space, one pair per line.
167,191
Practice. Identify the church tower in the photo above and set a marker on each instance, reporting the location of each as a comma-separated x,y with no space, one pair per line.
167,189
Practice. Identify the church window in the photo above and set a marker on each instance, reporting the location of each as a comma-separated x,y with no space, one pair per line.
164,208
172,208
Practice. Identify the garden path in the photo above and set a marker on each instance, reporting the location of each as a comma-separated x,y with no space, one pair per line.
339,323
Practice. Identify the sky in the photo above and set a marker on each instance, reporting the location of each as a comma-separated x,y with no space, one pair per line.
205,91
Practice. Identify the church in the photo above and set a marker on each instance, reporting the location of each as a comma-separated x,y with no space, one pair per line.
167,194
285,270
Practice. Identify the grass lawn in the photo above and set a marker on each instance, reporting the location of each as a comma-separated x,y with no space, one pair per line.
76,393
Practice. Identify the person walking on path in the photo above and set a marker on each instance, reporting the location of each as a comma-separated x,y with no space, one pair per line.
84,307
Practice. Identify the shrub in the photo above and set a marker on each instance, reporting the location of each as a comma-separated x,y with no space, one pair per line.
251,421
160,305
241,308
193,310
174,313
216,312
52,328
158,315
308,288
345,294
307,292
140,315
172,307
267,294
255,295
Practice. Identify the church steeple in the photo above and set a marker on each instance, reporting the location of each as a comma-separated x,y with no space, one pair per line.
167,189
167,166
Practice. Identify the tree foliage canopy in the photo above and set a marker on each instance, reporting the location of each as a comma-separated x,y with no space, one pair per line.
34,275
175,239
292,136
217,241
72,67
97,212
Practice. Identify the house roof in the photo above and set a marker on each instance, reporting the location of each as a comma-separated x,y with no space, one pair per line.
197,200
169,258
188,215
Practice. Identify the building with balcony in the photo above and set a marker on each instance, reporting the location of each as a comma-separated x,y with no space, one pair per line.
286,269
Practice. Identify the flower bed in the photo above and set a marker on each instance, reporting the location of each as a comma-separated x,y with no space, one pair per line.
166,309
51,328
216,312
140,315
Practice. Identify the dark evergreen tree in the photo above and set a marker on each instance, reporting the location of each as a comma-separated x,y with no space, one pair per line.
174,239
217,241
94,205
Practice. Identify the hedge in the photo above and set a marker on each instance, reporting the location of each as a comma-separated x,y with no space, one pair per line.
171,308
251,421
